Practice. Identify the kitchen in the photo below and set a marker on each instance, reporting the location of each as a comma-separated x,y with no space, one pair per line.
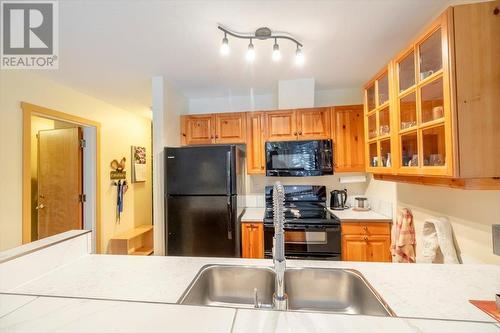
291,206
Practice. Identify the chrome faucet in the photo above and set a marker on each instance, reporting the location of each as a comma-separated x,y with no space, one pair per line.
280,298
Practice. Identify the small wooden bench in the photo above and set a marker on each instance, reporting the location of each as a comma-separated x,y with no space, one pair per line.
137,241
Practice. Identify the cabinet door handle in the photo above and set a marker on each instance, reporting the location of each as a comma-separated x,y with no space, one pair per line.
295,133
300,132
366,238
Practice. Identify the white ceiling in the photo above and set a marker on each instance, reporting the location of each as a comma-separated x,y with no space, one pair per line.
111,49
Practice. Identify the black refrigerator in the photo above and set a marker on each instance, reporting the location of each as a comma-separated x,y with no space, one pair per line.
202,184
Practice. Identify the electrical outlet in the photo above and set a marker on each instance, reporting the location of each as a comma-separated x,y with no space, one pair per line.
495,228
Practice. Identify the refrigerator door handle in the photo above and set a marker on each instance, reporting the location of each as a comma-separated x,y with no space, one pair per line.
228,172
230,219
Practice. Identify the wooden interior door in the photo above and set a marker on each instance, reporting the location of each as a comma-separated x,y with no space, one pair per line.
348,138
354,248
59,181
230,128
198,130
313,124
281,125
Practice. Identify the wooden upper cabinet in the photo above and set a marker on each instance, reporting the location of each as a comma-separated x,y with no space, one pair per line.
443,100
256,160
281,125
348,138
300,124
197,129
213,128
313,123
230,127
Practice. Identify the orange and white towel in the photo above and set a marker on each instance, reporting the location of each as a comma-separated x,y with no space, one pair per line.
403,238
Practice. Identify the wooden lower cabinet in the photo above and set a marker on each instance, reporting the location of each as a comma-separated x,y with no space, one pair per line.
252,240
366,241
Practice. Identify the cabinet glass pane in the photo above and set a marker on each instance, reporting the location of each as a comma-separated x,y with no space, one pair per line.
384,122
430,55
408,111
370,97
385,153
383,89
406,72
409,149
372,126
432,101
373,154
434,146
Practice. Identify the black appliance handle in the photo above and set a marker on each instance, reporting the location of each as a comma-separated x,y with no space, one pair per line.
228,172
344,197
308,227
229,219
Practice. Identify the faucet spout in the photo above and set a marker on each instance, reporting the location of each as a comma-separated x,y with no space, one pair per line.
280,298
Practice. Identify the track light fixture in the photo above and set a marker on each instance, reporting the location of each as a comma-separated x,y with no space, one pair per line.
276,51
224,48
262,34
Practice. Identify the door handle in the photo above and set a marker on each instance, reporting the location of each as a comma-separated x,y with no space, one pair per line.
40,206
230,219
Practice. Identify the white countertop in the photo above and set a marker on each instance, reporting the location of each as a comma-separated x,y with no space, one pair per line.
350,214
47,314
253,214
405,287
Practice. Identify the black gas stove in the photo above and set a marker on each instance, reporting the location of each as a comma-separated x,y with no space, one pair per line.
311,231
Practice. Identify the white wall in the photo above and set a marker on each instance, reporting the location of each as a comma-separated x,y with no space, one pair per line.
253,102
232,104
119,130
168,105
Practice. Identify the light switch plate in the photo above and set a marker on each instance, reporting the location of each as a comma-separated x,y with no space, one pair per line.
495,228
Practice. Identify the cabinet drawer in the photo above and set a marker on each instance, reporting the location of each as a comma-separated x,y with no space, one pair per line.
366,228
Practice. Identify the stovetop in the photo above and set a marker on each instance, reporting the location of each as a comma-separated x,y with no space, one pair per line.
304,204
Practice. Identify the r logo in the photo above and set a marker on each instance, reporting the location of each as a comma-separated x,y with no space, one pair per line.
28,28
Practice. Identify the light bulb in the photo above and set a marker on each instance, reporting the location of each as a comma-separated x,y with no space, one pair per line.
224,48
299,57
276,52
250,52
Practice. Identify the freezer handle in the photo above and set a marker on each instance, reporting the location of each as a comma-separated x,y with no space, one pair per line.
229,219
228,172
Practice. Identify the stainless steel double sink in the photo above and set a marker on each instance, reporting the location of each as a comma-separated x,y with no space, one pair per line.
309,289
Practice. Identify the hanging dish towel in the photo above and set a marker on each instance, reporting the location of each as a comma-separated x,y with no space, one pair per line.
437,241
403,238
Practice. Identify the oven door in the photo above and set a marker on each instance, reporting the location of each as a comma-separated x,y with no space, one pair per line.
299,158
307,241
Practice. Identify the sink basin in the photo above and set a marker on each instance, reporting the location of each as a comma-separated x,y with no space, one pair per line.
309,289
233,286
332,290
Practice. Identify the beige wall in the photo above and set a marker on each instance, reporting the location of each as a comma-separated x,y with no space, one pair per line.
120,129
471,214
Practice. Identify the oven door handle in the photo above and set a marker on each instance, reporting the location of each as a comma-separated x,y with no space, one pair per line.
313,227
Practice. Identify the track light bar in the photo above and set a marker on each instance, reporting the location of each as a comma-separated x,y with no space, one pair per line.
262,34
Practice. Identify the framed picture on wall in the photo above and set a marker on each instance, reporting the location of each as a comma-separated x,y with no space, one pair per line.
138,164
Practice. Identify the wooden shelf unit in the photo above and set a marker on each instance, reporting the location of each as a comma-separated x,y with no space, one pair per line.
137,241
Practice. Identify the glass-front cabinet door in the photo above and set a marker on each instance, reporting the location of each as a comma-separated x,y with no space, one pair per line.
423,135
378,122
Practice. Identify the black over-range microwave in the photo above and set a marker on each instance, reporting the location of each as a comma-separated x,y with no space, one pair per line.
299,158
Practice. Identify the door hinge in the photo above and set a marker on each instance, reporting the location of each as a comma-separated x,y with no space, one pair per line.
83,143
83,197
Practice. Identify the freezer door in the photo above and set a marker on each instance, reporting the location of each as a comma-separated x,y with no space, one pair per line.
201,170
203,226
